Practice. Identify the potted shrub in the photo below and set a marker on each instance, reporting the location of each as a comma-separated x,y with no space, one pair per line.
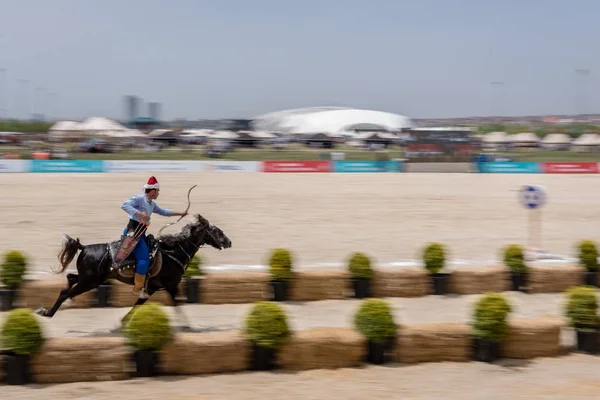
148,330
514,259
104,293
434,258
12,270
267,328
490,326
361,274
374,320
21,337
581,310
280,264
192,283
588,259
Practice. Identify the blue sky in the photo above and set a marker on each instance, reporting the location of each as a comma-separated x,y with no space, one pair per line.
238,59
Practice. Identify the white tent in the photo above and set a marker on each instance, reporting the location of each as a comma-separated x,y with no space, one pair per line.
64,127
524,139
556,141
106,127
586,142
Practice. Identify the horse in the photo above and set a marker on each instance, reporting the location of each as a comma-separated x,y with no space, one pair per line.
171,255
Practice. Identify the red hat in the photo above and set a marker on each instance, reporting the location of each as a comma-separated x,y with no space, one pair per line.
152,184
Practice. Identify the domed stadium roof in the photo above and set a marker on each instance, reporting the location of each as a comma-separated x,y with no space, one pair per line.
330,120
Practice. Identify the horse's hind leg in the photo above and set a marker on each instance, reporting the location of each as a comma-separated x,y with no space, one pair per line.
72,279
69,293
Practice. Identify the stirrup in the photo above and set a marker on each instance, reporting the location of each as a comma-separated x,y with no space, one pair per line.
143,294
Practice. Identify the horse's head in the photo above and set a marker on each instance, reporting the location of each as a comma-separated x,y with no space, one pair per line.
212,234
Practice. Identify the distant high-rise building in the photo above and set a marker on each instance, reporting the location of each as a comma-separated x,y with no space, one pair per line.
154,110
132,107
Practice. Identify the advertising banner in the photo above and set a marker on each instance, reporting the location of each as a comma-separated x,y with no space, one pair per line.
67,166
151,166
510,167
570,167
14,166
367,166
231,166
296,166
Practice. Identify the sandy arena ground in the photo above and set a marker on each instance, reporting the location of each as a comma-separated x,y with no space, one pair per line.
574,377
321,217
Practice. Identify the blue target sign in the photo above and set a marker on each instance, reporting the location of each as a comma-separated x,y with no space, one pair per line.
532,196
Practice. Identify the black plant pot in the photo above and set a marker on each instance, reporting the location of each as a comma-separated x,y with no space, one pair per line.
262,359
7,299
486,350
146,363
192,290
362,287
16,369
591,278
280,290
519,281
440,283
378,352
588,341
103,294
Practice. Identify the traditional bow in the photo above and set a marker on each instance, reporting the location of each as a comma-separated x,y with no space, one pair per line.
185,212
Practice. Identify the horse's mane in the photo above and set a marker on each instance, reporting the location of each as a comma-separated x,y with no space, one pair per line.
173,239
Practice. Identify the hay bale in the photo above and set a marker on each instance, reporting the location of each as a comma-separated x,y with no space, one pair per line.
401,283
122,296
481,280
433,342
534,337
231,288
319,285
44,293
62,360
322,348
206,353
554,279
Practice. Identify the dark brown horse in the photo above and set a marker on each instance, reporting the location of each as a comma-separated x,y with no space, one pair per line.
95,262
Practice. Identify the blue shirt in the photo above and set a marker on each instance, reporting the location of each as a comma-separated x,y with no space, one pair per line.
140,202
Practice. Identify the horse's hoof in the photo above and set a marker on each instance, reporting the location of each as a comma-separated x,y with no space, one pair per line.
41,311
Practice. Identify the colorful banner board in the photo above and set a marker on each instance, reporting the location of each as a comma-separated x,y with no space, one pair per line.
570,167
510,167
367,166
66,166
296,166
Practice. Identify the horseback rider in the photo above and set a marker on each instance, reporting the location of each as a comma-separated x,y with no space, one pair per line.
140,207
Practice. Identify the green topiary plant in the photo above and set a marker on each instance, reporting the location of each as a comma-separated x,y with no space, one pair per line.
375,321
490,317
280,264
588,255
582,307
434,257
21,334
360,266
266,325
193,268
514,258
13,269
148,328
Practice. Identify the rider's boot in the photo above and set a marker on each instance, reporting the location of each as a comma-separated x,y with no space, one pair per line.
139,280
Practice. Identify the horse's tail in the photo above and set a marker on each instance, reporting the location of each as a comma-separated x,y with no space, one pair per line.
68,252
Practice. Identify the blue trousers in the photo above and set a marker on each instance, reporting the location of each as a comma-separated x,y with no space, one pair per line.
141,254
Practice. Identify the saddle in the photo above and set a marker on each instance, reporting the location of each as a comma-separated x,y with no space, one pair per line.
126,268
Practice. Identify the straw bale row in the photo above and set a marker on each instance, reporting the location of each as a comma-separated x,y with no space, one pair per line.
249,287
100,359
401,283
320,285
81,359
475,281
554,279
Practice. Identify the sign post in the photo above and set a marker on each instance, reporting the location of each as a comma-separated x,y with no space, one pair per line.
533,197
